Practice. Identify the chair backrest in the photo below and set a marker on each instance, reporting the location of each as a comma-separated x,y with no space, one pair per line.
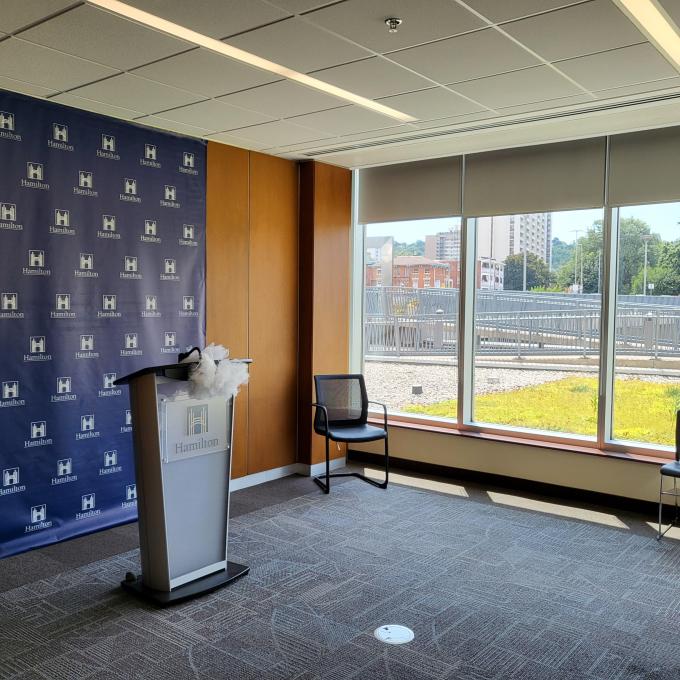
345,398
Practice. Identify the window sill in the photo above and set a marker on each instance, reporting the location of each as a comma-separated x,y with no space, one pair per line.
652,458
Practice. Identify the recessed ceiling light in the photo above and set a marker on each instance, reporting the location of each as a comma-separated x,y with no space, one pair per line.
651,18
170,28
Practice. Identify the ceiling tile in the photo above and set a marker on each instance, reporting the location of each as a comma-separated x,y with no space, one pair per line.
673,9
135,93
364,22
16,14
233,140
45,67
519,87
345,120
93,34
298,45
25,88
206,73
299,6
475,55
641,88
617,68
283,99
216,18
373,78
98,107
574,31
172,125
505,10
215,116
454,121
433,103
546,105
276,133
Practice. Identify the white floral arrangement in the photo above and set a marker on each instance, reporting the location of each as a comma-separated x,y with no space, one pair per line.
215,375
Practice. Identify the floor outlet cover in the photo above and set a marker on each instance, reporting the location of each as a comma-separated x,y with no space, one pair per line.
394,635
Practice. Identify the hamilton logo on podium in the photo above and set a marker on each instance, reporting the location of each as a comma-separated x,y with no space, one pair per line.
35,175
108,148
36,264
150,156
85,184
62,223
62,307
196,426
39,519
197,420
150,234
109,389
110,463
188,166
150,306
130,268
7,127
169,270
9,306
64,390
188,236
86,347
87,427
8,217
64,472
59,138
9,394
86,267
11,482
37,349
130,345
109,308
130,191
169,199
38,435
87,507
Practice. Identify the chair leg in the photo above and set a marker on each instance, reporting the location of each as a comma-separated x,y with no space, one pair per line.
659,534
381,485
326,486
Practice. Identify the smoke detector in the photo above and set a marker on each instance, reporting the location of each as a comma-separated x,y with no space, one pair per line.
393,24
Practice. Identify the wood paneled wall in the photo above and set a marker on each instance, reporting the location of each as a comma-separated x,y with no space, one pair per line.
325,231
252,295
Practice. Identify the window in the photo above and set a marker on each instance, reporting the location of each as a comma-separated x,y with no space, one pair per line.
537,327
647,338
411,280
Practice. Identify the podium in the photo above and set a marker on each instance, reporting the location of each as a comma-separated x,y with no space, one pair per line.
182,448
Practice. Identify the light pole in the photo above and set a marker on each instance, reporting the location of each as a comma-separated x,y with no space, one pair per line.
577,232
646,238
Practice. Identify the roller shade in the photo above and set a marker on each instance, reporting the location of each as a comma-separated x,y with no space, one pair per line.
644,167
410,191
564,176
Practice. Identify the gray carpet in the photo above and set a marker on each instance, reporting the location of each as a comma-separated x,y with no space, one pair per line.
491,592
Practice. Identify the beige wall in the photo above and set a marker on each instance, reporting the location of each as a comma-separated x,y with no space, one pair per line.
630,479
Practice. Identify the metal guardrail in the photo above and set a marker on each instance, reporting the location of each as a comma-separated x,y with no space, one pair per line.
412,322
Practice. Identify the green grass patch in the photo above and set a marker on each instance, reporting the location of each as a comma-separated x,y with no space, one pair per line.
643,411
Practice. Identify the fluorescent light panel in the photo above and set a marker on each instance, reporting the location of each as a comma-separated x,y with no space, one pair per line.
650,17
170,28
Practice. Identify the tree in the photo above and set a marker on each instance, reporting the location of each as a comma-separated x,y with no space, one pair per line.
416,248
538,274
666,275
561,252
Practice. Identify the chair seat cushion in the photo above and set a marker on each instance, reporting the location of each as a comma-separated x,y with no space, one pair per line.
671,469
357,433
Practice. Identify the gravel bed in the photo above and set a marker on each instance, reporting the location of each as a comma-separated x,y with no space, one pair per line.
391,382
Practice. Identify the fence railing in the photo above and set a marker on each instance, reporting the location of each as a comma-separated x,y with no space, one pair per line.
404,322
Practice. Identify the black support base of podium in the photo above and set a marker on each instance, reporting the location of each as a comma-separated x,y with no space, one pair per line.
201,586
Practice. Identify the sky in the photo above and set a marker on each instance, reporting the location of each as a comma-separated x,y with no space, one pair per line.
663,219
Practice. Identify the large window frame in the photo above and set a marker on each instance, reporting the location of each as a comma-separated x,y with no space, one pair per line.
604,442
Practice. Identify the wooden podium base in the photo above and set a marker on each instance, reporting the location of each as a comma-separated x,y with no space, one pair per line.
134,585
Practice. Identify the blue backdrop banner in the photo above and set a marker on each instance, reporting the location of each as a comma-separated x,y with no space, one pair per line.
102,272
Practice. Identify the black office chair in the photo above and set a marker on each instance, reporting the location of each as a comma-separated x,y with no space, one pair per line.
670,470
341,416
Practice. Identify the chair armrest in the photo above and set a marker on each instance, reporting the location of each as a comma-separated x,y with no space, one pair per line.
325,414
384,408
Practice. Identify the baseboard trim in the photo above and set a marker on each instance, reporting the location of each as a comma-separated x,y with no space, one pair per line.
286,471
510,483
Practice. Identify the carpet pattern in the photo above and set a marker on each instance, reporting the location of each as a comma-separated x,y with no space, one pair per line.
491,593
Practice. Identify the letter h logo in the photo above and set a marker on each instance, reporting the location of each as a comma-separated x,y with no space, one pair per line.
9,302
10,389
170,193
10,476
64,467
87,502
197,419
38,513
59,132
